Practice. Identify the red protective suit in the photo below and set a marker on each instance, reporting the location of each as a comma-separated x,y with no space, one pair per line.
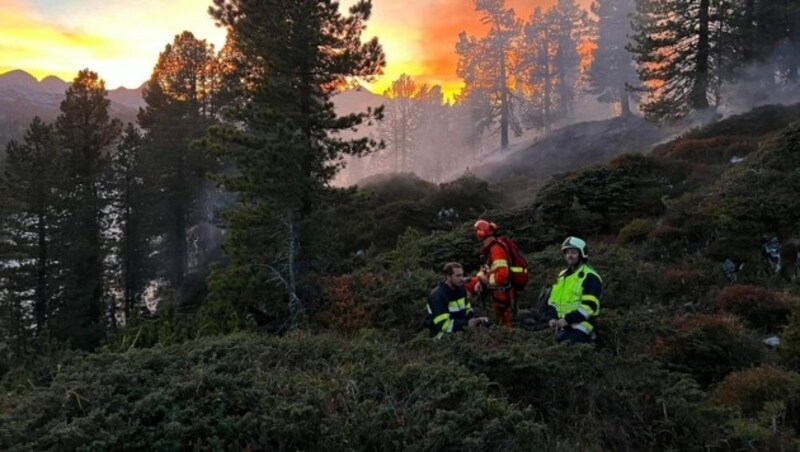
494,276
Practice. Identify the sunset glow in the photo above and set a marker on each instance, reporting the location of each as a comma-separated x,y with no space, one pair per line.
121,39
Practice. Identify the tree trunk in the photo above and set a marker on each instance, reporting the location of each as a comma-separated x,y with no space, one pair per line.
624,101
96,259
548,90
130,293
748,32
41,275
403,135
398,158
504,100
699,99
179,262
296,307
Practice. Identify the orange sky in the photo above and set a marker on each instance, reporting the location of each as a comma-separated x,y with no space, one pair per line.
121,39
419,36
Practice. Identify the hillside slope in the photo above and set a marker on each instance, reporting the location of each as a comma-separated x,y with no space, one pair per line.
686,356
575,146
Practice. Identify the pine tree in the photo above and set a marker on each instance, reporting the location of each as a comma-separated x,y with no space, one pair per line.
570,24
472,112
285,142
180,106
85,133
232,73
536,70
777,32
765,25
28,274
132,199
401,120
681,49
486,66
611,72
434,135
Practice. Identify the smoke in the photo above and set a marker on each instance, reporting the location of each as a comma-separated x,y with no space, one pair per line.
205,237
773,81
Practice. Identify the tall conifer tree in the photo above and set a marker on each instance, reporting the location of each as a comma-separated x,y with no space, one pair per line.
180,106
612,72
284,141
86,134
29,209
680,52
486,66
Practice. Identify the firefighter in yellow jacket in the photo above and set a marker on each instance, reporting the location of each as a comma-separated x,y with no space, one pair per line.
574,301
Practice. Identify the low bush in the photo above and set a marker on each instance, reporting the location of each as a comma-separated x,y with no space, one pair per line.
246,392
760,308
708,347
717,150
768,400
790,342
604,198
759,195
750,390
686,281
636,231
345,310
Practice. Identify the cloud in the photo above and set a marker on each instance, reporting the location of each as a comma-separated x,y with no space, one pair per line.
120,40
42,49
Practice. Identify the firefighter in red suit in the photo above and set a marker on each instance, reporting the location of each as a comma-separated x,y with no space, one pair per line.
494,274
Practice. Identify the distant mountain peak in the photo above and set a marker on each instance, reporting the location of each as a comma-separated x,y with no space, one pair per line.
21,81
52,79
18,77
53,84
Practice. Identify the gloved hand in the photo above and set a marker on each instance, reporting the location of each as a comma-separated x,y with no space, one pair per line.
478,322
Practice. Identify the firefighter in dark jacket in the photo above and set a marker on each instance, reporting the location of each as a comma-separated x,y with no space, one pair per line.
574,301
448,307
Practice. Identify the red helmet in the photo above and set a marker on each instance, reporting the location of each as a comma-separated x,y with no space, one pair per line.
484,229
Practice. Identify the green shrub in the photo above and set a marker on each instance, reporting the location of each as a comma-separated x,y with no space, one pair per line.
628,278
768,431
246,392
636,231
708,347
716,150
790,342
768,399
397,187
756,122
591,399
751,389
386,205
686,281
761,308
760,195
345,305
490,389
604,198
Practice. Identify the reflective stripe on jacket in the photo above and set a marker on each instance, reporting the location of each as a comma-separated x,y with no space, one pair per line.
497,273
448,310
576,297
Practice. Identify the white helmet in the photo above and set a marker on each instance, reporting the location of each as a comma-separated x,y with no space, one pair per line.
576,243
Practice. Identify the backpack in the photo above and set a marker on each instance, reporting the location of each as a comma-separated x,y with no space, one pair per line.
518,265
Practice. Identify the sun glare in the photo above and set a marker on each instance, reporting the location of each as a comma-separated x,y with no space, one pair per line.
121,41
